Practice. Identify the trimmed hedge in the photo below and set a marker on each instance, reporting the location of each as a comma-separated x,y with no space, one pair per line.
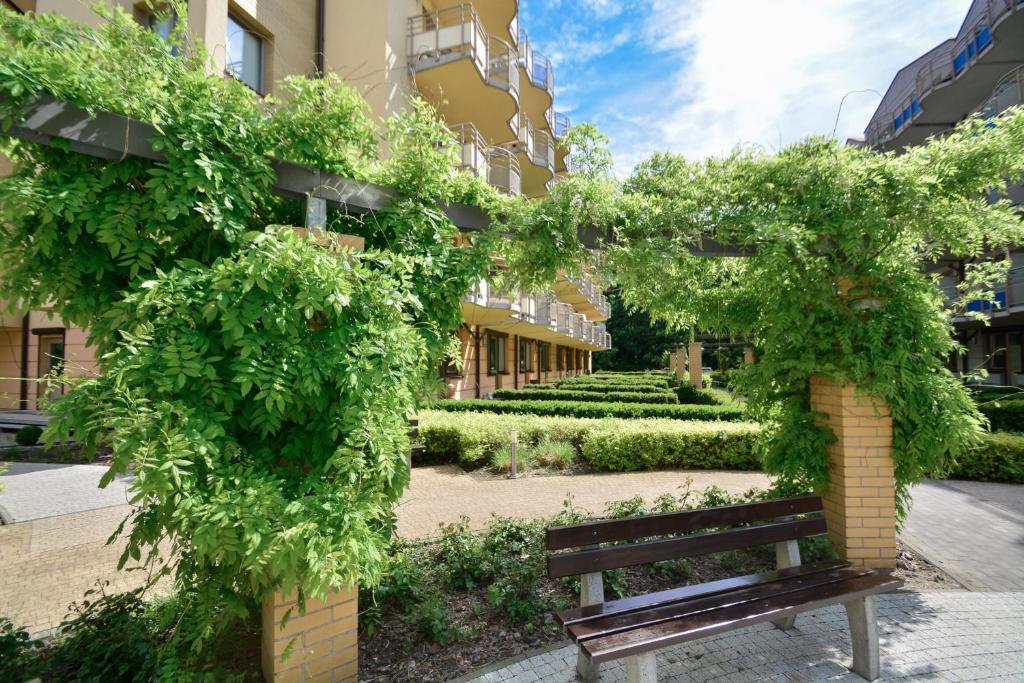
608,444
658,382
1005,414
610,386
617,388
584,409
559,395
999,458
687,393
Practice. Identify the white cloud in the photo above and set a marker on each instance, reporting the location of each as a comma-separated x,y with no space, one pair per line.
768,72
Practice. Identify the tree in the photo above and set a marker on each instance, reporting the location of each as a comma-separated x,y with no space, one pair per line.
637,342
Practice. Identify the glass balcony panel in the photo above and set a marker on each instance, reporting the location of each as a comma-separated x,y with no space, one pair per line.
447,34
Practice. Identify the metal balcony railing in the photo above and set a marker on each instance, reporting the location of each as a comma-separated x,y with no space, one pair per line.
503,299
1007,295
537,66
1009,92
527,308
453,33
547,311
949,62
562,124
503,171
565,319
472,148
577,326
478,294
536,144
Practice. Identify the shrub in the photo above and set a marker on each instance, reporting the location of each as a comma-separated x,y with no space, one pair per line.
689,394
999,458
598,410
461,555
432,621
546,454
555,454
472,439
635,447
517,559
620,389
17,653
560,395
1005,414
28,435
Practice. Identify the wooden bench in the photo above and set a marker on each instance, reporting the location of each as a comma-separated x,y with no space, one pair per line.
636,627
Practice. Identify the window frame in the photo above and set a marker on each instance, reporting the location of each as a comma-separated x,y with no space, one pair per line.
525,355
497,363
246,26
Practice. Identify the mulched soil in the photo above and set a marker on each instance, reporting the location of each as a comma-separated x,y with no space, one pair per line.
396,653
72,454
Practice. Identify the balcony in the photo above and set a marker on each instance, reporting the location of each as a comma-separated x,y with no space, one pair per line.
527,309
538,78
562,124
547,311
503,171
471,148
536,151
585,296
935,92
482,305
499,17
467,74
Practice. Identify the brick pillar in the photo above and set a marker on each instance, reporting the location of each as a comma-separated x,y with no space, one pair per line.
860,506
696,360
326,640
748,354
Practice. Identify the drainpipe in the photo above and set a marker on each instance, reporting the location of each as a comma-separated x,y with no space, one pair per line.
23,391
321,23
476,357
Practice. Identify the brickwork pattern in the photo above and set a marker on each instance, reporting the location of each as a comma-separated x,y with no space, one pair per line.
323,640
860,505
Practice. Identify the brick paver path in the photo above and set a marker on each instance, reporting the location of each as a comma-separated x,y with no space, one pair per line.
35,491
442,494
940,636
973,531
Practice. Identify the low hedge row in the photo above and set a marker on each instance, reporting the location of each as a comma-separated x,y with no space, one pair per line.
585,409
639,381
608,386
1004,414
529,394
687,393
999,458
618,388
606,444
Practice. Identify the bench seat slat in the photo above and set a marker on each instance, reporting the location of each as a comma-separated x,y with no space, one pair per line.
701,590
626,622
729,618
612,530
600,559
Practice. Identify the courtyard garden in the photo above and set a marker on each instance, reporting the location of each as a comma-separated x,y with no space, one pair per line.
256,381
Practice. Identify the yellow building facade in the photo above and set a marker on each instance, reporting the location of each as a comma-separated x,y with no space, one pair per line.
473,62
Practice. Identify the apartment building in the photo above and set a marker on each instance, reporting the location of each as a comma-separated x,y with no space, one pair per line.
980,70
475,64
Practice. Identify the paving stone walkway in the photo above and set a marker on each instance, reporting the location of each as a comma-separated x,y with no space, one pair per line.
939,636
442,494
36,491
973,531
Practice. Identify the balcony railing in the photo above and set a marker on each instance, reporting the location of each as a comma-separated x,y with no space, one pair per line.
565,319
1006,295
1009,92
471,147
562,124
503,171
949,62
528,308
455,33
547,311
503,299
478,294
536,144
537,66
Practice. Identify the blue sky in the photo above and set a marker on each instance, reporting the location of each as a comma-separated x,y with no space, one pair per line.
698,77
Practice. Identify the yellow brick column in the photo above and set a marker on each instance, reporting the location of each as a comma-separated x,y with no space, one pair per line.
680,358
326,641
748,354
860,505
696,360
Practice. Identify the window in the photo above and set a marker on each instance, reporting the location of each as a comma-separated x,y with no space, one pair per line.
245,55
544,356
559,359
495,354
525,355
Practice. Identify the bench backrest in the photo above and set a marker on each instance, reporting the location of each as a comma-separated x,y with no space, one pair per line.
591,556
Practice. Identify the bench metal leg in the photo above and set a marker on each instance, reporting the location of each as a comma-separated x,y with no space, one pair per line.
863,617
787,554
642,668
591,593
587,670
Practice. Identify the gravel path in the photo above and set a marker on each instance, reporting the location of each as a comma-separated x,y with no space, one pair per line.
442,494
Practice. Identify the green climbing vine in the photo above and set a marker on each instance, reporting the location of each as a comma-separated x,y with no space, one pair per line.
835,282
